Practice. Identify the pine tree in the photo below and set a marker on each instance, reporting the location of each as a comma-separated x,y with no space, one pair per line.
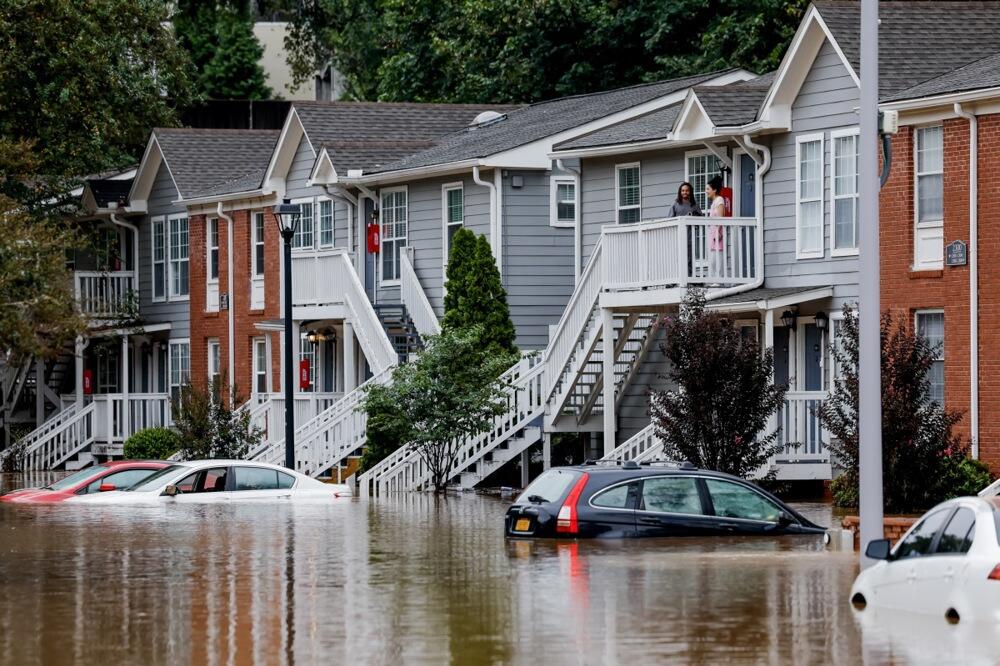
460,259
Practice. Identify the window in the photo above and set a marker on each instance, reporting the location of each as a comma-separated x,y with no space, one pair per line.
845,191
214,361
159,231
258,245
107,371
809,196
613,498
551,486
672,494
179,276
454,215
303,238
326,223
120,480
394,222
180,366
958,535
206,481
628,206
732,500
562,210
930,175
212,253
701,167
256,478
307,352
930,324
260,365
918,542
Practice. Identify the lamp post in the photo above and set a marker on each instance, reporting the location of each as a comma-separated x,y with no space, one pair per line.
287,215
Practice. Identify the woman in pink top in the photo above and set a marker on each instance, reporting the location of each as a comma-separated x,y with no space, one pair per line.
716,233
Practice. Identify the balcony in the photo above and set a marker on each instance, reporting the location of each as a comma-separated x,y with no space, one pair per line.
681,251
106,295
318,282
805,452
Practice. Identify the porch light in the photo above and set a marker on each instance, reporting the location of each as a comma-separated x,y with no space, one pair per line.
287,215
788,319
821,321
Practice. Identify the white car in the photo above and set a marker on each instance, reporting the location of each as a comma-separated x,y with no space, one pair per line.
947,565
212,481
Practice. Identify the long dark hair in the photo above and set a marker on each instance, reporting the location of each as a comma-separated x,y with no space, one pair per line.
716,183
680,198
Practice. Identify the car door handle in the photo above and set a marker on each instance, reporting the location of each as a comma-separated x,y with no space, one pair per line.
649,520
729,526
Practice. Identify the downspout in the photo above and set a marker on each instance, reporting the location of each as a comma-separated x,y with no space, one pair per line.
341,193
494,239
973,275
231,356
578,229
135,246
762,168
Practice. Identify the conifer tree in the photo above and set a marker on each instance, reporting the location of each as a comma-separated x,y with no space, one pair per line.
460,258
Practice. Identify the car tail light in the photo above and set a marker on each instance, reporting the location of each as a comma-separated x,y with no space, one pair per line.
566,521
995,574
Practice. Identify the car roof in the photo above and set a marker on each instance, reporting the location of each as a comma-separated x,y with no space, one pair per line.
647,469
200,464
124,463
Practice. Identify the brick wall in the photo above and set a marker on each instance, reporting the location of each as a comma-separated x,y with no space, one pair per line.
904,290
893,527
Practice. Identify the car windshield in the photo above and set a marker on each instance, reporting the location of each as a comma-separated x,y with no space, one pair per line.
153,482
549,487
75,478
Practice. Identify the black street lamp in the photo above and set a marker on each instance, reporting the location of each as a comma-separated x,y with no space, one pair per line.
287,215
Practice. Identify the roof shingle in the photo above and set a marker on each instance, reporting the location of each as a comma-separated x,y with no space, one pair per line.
984,73
215,161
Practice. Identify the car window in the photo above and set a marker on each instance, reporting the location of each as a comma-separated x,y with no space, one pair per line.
120,480
673,494
256,478
958,534
187,484
733,500
550,486
74,478
285,480
919,540
213,480
612,498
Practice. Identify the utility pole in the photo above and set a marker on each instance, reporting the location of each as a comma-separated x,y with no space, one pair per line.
869,350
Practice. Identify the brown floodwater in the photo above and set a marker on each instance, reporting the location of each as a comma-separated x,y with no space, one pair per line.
414,579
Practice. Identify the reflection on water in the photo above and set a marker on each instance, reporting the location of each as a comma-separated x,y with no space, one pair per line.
408,580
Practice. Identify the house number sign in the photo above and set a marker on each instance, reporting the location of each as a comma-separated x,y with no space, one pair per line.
956,254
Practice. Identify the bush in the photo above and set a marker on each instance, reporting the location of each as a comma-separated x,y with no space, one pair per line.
210,426
152,444
962,476
386,429
845,491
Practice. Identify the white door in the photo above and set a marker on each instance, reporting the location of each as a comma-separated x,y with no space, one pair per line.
260,483
207,486
910,578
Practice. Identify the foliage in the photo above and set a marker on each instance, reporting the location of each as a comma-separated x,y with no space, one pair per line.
152,444
724,395
210,427
225,52
38,315
529,50
450,393
921,456
385,430
475,297
963,476
81,83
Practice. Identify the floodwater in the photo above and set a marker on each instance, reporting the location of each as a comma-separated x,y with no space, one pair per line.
414,579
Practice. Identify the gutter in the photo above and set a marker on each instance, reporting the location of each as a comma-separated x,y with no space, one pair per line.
973,275
949,98
233,196
578,228
231,309
494,234
338,192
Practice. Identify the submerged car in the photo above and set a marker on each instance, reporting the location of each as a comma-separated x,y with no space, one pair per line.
103,478
213,481
947,564
632,500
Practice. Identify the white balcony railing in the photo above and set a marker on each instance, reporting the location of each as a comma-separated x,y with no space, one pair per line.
267,412
681,251
105,294
317,278
414,298
802,434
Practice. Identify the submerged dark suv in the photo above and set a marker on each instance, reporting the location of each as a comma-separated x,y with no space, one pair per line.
629,500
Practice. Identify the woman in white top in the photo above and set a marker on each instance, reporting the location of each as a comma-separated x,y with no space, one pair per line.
716,240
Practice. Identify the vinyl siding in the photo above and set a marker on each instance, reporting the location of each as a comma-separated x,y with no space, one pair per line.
296,188
178,313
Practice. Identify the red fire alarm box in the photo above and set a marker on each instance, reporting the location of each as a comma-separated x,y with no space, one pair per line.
727,196
304,374
374,238
88,382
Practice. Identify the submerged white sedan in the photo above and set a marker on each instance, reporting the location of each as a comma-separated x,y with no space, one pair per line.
212,481
947,565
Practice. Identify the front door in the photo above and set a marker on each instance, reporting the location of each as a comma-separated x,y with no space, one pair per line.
748,186
780,355
813,358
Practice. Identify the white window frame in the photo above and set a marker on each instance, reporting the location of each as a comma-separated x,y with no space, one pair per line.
214,351
209,223
836,320
935,227
318,221
171,295
944,332
311,201
383,238
698,192
446,223
256,357
799,252
173,344
834,197
314,362
257,267
617,190
554,183
161,223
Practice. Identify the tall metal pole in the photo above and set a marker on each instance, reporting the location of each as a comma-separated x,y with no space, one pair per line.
869,351
287,235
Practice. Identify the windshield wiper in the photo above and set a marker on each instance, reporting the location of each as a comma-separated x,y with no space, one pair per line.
536,499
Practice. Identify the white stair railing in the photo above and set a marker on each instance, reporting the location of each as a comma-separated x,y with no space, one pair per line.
643,445
367,327
58,439
413,297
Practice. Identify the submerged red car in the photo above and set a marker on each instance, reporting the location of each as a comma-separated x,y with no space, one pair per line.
115,475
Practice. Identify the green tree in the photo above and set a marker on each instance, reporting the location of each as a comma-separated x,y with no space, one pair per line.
449,394
209,425
923,461
716,415
152,444
475,295
386,429
225,52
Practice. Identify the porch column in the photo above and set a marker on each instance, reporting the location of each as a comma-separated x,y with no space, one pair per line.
546,451
772,421
608,353
126,412
525,460
350,364
78,359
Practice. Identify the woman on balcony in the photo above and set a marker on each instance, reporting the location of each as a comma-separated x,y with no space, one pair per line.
685,204
716,239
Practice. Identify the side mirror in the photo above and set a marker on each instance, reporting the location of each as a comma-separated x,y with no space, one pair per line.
878,549
105,487
784,519
171,491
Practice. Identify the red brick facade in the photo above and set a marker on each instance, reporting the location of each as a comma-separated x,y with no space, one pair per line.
904,290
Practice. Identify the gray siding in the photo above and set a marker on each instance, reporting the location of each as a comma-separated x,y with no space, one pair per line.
633,411
296,188
827,101
178,313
